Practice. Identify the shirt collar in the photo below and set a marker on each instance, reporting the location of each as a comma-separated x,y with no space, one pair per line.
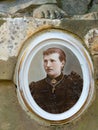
54,80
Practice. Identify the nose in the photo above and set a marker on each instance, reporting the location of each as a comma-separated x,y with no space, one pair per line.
48,64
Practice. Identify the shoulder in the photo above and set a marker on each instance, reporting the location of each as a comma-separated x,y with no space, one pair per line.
75,83
36,86
74,76
74,80
37,83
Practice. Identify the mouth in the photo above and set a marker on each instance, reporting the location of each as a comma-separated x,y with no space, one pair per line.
48,70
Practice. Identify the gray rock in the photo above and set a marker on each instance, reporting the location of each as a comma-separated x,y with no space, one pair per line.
12,6
94,8
74,6
47,9
26,8
95,1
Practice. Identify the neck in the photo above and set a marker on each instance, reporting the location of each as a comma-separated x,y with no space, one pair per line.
54,77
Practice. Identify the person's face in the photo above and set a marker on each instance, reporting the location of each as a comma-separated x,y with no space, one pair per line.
53,65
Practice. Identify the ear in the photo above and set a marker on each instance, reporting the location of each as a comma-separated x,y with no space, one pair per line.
63,63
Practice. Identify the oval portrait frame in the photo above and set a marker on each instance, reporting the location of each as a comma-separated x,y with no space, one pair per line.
77,47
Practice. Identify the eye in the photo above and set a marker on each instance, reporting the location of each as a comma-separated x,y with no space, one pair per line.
52,60
45,61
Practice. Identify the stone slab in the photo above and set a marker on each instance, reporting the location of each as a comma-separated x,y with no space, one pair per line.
12,117
14,33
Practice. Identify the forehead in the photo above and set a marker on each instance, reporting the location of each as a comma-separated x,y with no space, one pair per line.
52,56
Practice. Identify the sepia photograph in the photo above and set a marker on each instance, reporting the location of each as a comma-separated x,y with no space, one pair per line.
55,79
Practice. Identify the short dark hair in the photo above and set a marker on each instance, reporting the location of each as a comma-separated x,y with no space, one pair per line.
61,53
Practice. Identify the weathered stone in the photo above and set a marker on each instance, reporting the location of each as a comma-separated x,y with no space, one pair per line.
76,7
95,1
49,11
15,32
26,8
1,22
13,36
91,40
95,58
88,16
94,8
7,68
13,6
12,117
8,8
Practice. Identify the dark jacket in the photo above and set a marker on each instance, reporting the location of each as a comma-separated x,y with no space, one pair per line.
65,94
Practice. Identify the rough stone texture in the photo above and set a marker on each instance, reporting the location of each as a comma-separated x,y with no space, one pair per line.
12,117
86,30
75,7
88,16
12,6
15,31
71,7
91,40
94,8
7,68
78,7
96,1
49,11
13,34
95,58
18,30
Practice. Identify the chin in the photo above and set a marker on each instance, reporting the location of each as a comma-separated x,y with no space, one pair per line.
50,75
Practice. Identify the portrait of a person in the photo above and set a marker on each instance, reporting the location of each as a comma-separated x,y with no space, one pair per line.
57,92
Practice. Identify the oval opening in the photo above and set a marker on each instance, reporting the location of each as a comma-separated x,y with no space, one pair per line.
50,93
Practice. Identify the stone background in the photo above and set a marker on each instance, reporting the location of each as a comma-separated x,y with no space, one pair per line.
11,114
15,31
12,117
